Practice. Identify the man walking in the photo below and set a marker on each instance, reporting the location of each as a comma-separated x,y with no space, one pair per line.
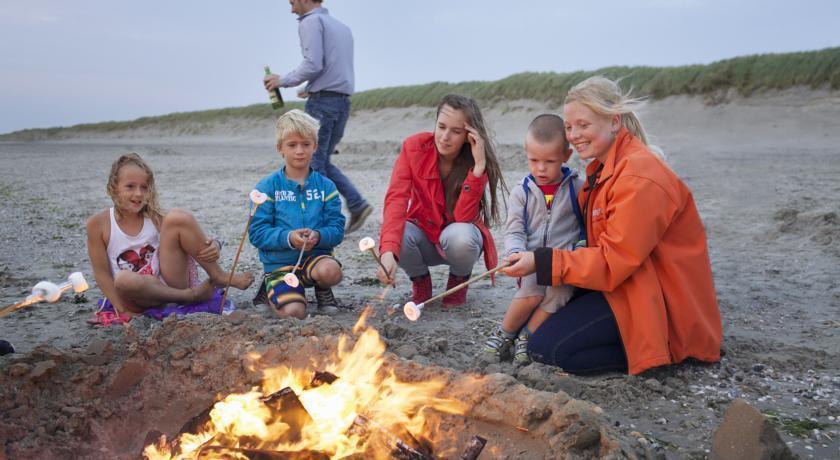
327,47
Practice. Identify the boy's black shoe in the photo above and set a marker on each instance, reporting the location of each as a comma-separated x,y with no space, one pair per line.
357,219
6,348
261,299
327,304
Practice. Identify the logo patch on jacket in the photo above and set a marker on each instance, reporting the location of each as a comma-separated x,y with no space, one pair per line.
596,212
284,195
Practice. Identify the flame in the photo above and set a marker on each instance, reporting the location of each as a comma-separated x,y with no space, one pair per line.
364,387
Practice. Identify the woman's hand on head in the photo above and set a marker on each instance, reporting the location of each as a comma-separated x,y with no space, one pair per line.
390,263
521,264
477,148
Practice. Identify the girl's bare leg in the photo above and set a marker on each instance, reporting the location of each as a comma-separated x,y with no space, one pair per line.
147,291
181,237
518,313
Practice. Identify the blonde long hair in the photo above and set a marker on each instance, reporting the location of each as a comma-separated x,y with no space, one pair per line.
604,97
464,162
152,208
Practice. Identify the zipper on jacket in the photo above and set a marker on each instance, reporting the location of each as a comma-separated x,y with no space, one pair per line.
593,184
548,212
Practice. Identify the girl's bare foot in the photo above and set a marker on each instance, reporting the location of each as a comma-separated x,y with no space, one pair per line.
202,292
240,281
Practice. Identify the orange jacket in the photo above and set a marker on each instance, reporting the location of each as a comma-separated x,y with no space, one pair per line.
647,253
415,193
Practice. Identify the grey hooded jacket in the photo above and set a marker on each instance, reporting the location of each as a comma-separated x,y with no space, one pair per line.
558,227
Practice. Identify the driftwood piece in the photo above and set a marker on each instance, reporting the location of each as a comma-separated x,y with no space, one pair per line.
363,426
474,448
286,406
322,377
224,453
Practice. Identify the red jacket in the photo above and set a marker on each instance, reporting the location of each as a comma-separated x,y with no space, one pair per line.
647,252
416,194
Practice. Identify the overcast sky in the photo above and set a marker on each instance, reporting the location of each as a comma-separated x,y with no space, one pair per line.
67,62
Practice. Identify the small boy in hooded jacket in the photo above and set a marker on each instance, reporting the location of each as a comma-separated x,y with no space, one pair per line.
542,212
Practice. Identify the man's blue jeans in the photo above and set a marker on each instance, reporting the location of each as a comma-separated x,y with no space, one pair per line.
332,112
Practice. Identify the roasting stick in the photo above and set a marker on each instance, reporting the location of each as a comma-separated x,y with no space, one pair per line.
413,311
291,279
46,291
257,198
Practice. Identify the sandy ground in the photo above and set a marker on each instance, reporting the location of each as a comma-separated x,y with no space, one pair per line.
763,171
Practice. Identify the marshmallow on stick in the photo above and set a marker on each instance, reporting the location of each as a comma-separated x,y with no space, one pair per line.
257,197
368,244
46,291
291,279
413,311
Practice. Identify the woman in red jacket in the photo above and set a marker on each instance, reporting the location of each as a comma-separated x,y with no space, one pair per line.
645,294
436,211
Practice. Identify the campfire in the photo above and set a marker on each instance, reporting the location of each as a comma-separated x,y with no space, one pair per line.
351,408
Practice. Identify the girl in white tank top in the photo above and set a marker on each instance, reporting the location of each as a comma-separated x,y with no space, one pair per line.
137,253
119,259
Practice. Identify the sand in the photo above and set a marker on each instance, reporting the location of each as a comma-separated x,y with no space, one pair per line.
762,169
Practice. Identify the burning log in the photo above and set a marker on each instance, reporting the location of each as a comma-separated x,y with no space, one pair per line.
286,406
400,450
322,377
474,448
235,453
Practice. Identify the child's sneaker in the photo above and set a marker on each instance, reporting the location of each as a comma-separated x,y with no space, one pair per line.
327,304
6,347
520,351
261,299
499,344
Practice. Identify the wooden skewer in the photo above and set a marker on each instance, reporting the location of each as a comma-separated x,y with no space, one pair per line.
466,283
236,258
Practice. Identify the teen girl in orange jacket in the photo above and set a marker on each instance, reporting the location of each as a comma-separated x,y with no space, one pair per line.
435,209
646,294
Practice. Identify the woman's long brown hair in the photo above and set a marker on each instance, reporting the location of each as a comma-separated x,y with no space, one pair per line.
464,162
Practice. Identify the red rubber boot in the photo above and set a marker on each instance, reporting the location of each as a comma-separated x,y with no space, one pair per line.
456,299
421,288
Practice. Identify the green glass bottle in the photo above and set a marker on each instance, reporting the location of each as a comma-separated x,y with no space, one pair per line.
274,94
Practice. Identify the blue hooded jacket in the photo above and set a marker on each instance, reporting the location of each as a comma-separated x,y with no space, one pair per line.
291,206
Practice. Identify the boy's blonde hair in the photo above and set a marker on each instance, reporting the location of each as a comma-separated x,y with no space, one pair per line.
152,208
604,97
297,122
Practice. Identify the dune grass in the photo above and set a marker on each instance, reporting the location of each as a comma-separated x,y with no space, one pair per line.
746,75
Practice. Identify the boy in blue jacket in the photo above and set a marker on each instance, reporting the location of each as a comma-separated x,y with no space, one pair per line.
304,212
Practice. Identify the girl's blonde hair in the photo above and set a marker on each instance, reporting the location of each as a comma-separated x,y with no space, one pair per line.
152,208
604,97
297,122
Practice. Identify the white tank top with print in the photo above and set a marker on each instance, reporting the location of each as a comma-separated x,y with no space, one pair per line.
138,253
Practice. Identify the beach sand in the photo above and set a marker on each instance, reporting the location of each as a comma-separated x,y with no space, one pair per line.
763,171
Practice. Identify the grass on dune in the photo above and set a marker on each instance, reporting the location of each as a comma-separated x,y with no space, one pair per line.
746,75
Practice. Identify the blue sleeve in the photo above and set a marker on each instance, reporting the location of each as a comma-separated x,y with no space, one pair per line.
263,233
332,231
311,32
